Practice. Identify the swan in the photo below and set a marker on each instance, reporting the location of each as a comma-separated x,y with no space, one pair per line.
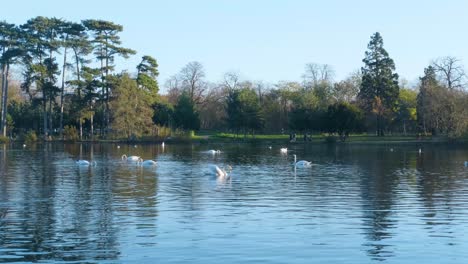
220,172
85,163
130,158
284,150
147,163
212,151
301,163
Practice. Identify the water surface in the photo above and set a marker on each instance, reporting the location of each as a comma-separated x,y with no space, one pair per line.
358,204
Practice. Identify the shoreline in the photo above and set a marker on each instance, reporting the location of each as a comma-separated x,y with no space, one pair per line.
271,139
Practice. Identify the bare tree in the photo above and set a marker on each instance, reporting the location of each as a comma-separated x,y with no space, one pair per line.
450,71
192,78
231,81
317,73
173,86
347,89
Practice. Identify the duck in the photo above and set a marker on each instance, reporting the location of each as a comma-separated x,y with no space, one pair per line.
301,163
220,172
86,163
147,163
130,158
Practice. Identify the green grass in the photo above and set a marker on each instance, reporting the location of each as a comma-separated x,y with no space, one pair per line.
354,138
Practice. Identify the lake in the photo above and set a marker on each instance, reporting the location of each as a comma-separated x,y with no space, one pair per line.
357,204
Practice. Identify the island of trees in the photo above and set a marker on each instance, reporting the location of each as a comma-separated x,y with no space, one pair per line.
59,83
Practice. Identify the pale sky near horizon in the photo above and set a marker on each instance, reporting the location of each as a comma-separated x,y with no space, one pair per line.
270,40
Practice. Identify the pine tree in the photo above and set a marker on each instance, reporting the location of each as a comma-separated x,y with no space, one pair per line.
379,88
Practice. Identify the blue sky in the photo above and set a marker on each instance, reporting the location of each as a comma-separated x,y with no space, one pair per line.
270,40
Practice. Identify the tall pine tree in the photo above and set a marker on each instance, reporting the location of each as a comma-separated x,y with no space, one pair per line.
379,88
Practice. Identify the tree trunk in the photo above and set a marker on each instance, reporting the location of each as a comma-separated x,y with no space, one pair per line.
62,92
51,125
44,108
81,129
106,111
92,128
4,98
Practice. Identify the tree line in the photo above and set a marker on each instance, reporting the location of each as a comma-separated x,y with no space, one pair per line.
70,88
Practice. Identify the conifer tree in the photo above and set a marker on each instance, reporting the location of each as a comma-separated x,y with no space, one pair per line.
379,88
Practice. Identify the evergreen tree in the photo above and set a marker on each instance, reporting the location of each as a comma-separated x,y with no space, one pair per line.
41,42
244,111
10,50
147,74
131,108
106,46
379,88
185,115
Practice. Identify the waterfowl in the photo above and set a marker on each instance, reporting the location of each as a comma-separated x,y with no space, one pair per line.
86,163
301,163
220,172
147,163
130,158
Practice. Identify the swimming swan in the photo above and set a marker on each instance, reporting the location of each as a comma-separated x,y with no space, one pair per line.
85,163
130,158
147,163
220,172
212,151
301,163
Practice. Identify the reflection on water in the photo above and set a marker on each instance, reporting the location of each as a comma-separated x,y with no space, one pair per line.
359,204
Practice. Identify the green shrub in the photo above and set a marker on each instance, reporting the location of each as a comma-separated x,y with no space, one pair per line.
70,133
3,139
30,136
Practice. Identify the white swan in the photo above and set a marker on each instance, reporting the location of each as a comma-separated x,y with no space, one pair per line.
147,163
220,172
86,163
284,150
130,158
212,151
301,163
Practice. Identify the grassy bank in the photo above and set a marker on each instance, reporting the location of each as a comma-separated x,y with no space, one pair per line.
215,137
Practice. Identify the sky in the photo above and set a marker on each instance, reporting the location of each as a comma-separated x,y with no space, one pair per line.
270,40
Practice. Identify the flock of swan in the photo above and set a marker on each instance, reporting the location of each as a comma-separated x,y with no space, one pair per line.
219,172
136,159
214,169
